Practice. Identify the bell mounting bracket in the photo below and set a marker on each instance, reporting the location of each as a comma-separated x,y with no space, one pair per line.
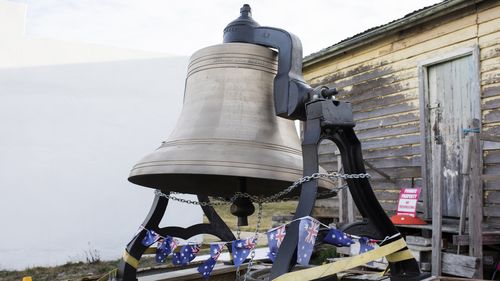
325,118
290,89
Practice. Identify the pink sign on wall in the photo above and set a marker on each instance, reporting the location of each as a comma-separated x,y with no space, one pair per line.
407,204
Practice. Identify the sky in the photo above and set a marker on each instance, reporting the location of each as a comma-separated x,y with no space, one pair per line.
182,27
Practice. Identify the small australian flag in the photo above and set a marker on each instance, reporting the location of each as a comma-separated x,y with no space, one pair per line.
308,230
338,238
206,268
164,248
274,237
150,238
241,250
186,254
365,245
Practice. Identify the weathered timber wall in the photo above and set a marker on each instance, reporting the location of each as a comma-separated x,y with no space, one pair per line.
381,80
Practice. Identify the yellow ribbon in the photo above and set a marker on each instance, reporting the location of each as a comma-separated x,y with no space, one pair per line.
106,276
348,263
400,256
133,262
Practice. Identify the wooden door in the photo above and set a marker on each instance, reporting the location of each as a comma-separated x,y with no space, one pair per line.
452,103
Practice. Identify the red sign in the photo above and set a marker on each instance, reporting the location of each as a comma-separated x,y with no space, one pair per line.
407,204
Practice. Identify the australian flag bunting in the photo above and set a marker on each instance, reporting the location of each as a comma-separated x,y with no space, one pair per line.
338,238
150,238
206,268
241,250
216,249
186,254
165,247
274,237
308,230
365,246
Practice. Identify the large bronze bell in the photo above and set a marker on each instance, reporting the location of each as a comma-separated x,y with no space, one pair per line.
228,137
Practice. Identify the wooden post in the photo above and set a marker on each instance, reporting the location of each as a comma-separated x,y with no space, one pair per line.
437,193
466,160
476,201
346,206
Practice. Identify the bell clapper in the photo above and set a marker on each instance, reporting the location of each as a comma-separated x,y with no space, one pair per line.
242,207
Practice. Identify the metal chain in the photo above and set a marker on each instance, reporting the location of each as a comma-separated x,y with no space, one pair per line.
261,200
191,202
272,198
256,235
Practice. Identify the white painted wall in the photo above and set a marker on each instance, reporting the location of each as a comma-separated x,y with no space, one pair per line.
74,119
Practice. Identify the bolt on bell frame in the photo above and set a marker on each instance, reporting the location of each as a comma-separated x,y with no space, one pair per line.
325,118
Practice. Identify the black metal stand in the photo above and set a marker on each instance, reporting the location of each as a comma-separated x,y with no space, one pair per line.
332,120
216,227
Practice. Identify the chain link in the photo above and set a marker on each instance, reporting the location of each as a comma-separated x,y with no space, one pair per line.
272,198
256,235
279,196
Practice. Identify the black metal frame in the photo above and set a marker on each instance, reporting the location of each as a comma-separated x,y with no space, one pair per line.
324,118
216,227
332,120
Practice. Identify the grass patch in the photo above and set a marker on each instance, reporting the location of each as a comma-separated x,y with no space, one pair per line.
94,267
68,271
322,253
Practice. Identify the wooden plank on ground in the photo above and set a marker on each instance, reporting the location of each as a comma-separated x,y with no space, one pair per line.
228,271
459,265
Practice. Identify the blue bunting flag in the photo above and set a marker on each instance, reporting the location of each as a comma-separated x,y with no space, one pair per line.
338,238
274,237
308,231
186,254
150,238
165,247
206,268
241,250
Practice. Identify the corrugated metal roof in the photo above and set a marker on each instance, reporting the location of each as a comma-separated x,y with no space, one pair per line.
412,19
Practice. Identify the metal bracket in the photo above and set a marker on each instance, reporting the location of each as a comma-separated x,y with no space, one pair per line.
135,249
433,106
332,120
290,89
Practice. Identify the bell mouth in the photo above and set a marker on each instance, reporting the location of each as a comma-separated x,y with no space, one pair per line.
216,168
220,185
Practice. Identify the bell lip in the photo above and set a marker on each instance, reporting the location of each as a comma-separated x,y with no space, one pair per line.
167,182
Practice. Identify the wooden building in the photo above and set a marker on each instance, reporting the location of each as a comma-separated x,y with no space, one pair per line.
416,84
